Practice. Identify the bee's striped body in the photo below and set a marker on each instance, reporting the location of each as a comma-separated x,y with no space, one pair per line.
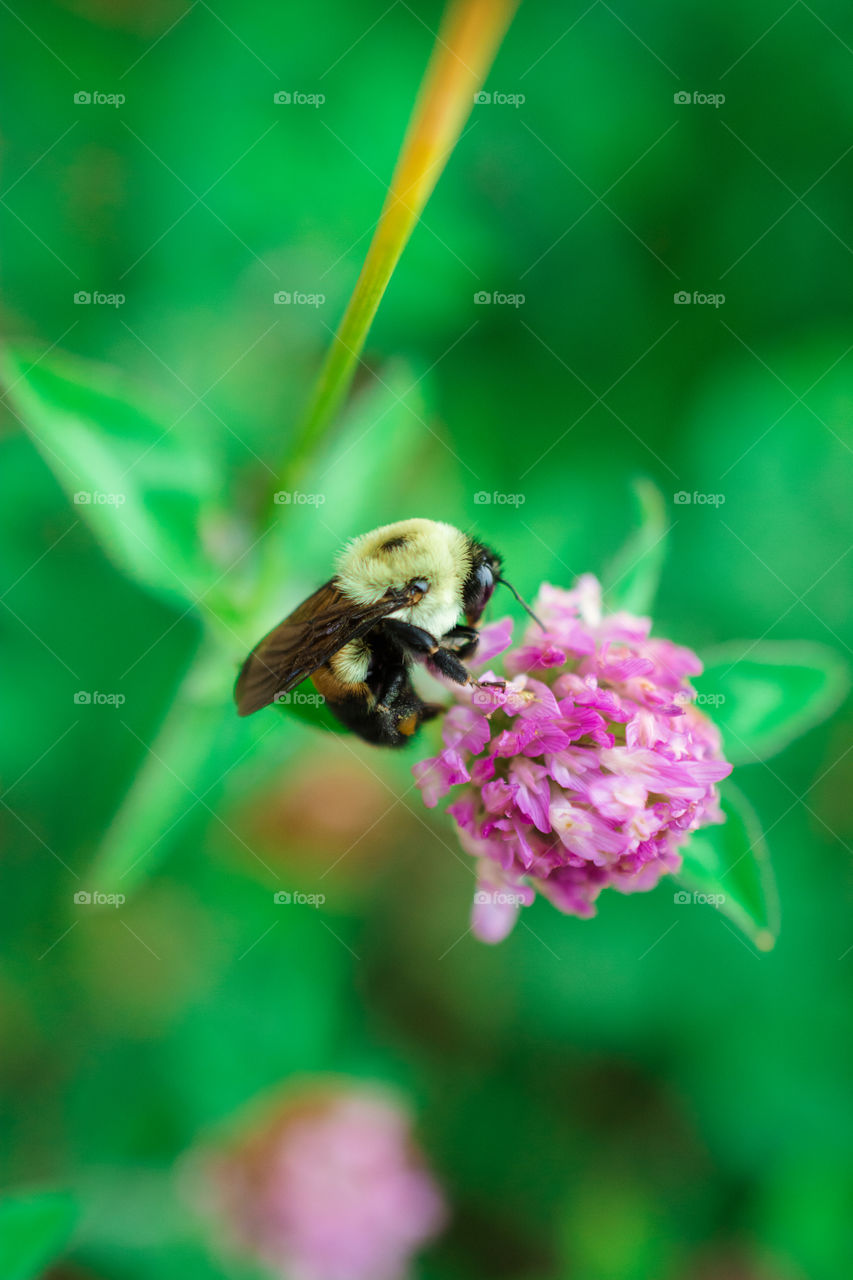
397,595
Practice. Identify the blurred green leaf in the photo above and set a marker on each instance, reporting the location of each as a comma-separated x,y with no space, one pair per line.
384,428
358,476
169,784
135,480
611,1229
632,577
765,695
733,860
34,1230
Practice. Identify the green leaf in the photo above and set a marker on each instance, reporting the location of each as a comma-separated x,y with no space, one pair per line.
134,479
34,1230
632,577
733,861
765,695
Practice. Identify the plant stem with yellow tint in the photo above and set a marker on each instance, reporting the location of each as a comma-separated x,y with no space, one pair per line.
465,47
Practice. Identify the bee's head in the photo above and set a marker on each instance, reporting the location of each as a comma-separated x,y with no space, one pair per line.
477,589
480,583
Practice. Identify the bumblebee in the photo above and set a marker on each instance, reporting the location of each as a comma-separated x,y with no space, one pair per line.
397,597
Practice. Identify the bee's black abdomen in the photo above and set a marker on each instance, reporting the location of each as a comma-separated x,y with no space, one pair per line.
383,709
383,725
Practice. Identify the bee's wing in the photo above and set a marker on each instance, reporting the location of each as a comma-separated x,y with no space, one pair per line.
307,638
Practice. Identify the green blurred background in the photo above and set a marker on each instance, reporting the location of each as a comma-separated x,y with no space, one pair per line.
642,1096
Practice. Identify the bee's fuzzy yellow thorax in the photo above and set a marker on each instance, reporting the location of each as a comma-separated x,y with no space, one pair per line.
394,554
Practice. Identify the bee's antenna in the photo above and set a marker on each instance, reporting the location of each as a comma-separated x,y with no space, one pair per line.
523,603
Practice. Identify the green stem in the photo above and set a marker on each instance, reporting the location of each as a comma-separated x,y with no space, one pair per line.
466,44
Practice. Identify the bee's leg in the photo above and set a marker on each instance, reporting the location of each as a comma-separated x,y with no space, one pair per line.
419,643
387,684
461,640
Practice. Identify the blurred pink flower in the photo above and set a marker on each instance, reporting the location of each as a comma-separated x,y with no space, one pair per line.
589,769
329,1185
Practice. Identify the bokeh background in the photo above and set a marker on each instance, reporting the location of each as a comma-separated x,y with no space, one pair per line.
641,1096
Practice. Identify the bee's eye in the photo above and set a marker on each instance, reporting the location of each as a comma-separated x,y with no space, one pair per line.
478,592
487,583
